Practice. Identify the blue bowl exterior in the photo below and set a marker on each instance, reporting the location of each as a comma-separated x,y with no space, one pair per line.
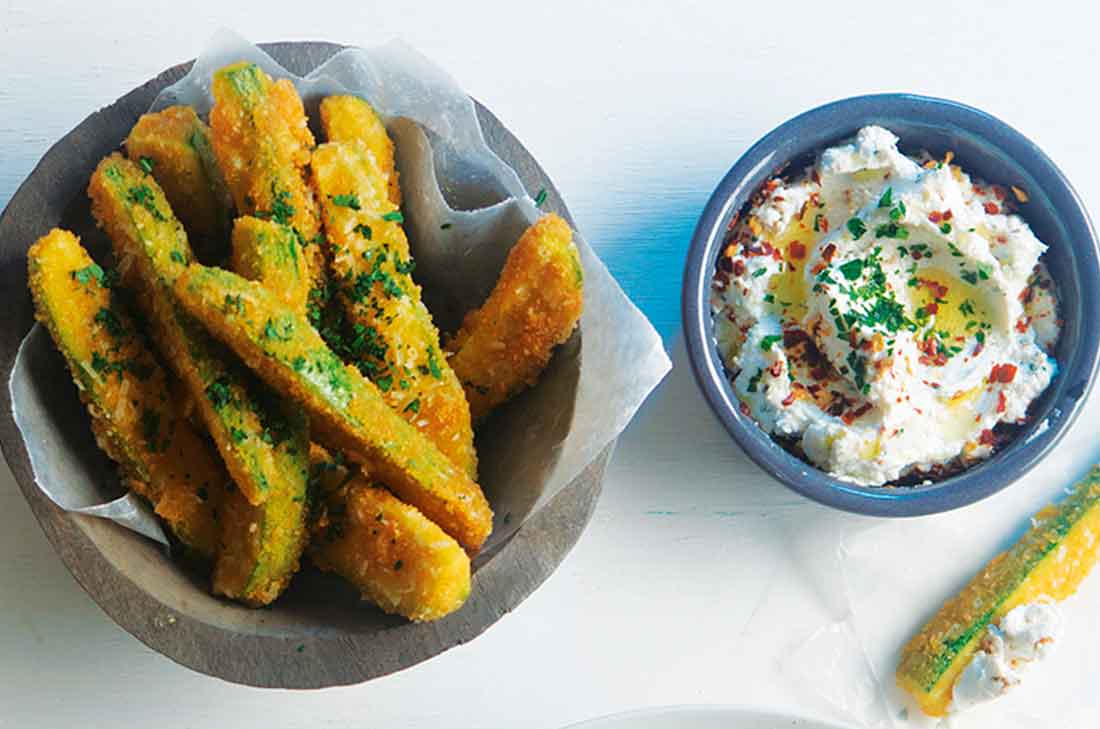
983,146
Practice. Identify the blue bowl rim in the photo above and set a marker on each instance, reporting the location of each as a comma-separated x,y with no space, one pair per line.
976,483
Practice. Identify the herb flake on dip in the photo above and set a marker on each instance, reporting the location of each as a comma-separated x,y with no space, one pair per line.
887,317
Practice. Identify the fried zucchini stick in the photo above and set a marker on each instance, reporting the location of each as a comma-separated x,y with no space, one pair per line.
152,249
263,145
174,145
261,545
268,252
350,119
396,557
126,391
347,413
536,303
394,341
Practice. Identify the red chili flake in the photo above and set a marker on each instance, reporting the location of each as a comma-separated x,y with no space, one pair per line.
932,308
776,368
935,216
1001,401
1023,324
986,438
738,267
916,255
818,268
947,215
1004,373
745,410
788,400
824,224
815,176
771,184
779,198
991,208
999,192
978,190
828,253
853,415
797,250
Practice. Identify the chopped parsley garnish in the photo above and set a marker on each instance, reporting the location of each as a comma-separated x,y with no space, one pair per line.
967,308
278,332
394,217
232,303
945,228
817,223
111,323
281,209
445,226
898,213
769,341
891,230
177,257
384,383
142,195
405,267
852,269
219,394
346,201
984,270
88,273
769,298
433,364
105,367
146,164
887,198
540,198
755,380
856,227
954,249
364,230
759,272
238,435
412,407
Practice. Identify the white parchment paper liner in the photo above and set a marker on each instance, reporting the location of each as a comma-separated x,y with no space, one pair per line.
532,447
895,574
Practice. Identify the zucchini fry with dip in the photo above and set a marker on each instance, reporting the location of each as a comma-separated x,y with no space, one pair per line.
263,442
536,303
174,146
263,145
347,413
397,558
394,341
126,391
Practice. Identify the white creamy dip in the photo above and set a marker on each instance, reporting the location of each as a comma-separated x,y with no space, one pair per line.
1025,635
884,314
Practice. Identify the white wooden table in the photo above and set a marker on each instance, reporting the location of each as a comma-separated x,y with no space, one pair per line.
689,586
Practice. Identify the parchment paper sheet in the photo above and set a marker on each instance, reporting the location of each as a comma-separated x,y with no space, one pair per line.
533,446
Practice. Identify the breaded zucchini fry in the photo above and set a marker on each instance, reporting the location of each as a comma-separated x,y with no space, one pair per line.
347,413
126,392
396,556
174,145
268,252
152,249
263,145
394,341
536,303
350,119
261,545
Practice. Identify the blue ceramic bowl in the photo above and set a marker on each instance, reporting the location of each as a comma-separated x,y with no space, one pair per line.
987,148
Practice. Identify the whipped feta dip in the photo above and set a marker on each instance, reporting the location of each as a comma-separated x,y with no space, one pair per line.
887,317
1024,636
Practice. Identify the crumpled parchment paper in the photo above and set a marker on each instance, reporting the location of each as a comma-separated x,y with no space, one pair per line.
532,447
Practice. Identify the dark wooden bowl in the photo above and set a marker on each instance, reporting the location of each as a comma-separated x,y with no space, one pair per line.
318,634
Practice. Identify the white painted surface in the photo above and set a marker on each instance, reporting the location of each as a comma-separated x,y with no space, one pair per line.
692,582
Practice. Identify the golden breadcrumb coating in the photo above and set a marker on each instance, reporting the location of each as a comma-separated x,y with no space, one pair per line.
347,413
534,306
126,391
398,558
174,145
394,341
